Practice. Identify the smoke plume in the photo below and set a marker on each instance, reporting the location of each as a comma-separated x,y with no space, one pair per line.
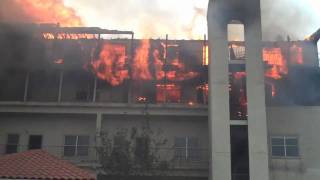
155,18
293,18
38,11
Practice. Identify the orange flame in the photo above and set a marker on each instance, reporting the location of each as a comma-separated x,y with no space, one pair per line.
273,90
180,74
205,55
274,58
48,11
140,66
158,64
110,65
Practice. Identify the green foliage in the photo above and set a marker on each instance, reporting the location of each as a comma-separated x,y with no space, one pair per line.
132,152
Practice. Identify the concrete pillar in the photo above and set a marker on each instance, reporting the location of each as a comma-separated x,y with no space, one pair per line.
98,135
257,122
98,129
219,117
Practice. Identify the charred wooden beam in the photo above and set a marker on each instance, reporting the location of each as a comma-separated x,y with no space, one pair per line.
315,36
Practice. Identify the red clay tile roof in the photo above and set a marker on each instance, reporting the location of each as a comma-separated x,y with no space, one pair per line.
38,164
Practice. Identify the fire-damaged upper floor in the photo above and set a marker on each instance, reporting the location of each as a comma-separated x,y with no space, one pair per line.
47,63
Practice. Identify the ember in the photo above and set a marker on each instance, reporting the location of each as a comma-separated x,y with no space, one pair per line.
59,61
142,99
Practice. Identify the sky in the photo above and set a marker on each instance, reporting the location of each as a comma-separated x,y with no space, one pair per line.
187,19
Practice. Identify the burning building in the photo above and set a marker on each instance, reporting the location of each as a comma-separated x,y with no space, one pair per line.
63,87
270,143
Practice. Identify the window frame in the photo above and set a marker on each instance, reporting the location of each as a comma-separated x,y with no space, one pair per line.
76,146
186,149
285,146
236,26
7,143
29,145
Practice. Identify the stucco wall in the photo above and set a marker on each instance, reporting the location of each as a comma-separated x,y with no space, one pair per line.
53,128
169,127
303,122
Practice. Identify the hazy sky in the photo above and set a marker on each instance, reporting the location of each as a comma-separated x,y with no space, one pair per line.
187,18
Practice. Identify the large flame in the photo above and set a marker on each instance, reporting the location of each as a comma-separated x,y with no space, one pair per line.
43,11
140,66
110,65
158,65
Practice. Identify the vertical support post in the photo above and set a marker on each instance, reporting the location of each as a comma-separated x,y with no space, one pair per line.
204,100
26,87
165,70
130,94
257,122
98,128
60,85
94,89
204,52
95,78
219,116
98,133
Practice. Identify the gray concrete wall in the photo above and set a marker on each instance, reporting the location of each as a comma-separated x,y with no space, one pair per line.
171,126
53,128
168,128
304,123
292,121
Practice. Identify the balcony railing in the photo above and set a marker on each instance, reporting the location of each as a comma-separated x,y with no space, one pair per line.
81,87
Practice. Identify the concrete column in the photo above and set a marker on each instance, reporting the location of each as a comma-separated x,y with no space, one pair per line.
98,135
257,123
98,129
94,89
60,85
26,87
219,117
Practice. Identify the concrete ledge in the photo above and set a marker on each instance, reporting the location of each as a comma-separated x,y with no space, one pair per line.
105,108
